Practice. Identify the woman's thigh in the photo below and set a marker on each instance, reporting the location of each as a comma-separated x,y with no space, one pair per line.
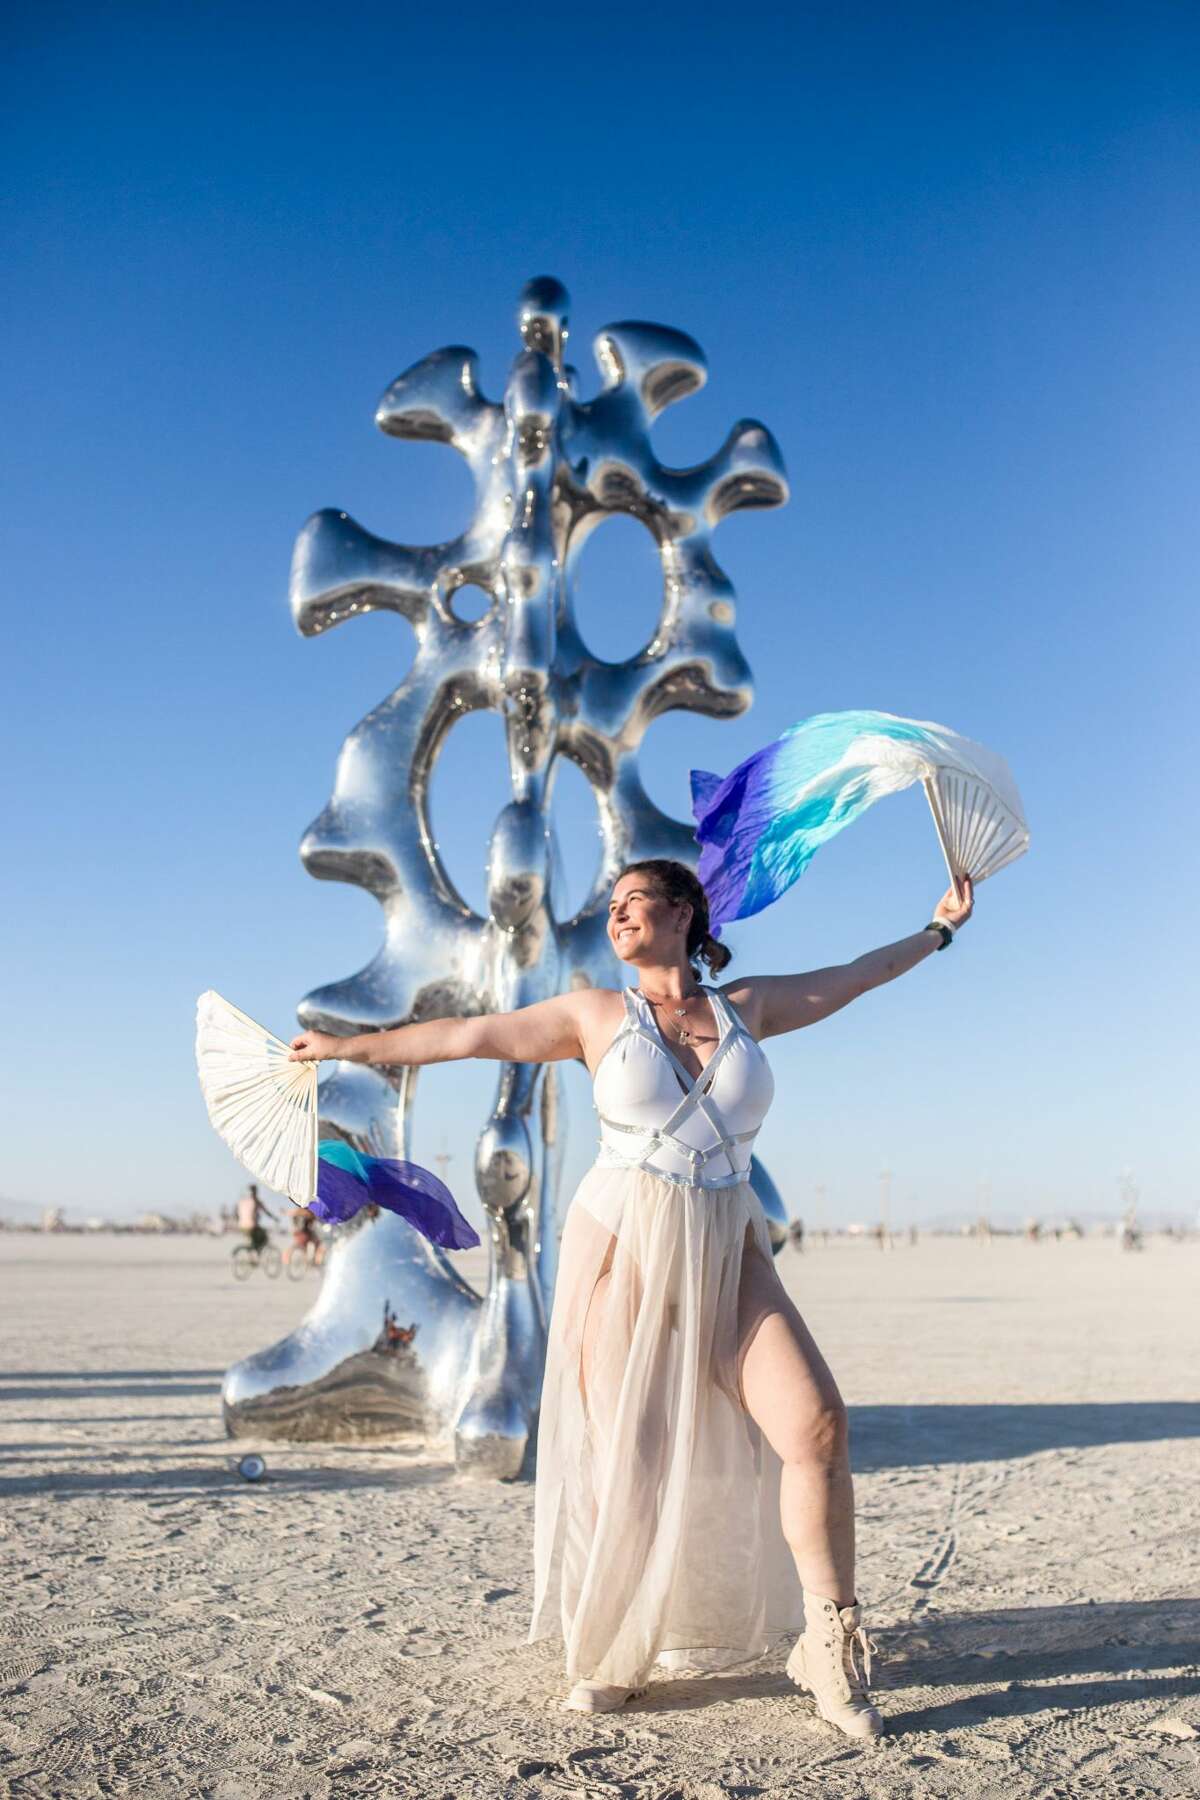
596,1307
785,1382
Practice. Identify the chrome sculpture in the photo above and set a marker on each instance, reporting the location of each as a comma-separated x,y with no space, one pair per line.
398,1343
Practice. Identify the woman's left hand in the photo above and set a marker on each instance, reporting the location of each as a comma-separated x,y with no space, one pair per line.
956,909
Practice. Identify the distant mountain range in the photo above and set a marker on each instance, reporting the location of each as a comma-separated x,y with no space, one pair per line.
1149,1219
29,1212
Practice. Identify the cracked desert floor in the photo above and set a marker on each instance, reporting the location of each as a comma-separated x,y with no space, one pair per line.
1026,1440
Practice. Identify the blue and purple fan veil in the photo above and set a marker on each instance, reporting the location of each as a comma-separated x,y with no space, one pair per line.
347,1181
759,827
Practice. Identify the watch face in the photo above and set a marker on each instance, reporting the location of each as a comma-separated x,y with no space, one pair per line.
252,1468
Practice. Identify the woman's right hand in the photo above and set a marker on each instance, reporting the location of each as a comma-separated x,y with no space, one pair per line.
314,1046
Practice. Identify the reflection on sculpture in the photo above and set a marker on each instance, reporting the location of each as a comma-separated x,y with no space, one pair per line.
548,469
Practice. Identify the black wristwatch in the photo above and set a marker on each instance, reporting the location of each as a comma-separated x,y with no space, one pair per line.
944,931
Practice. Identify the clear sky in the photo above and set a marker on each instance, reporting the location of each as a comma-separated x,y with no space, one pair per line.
948,254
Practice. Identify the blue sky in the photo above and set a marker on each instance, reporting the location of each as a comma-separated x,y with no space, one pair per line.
947,254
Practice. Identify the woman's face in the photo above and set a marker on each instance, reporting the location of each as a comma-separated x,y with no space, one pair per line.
643,925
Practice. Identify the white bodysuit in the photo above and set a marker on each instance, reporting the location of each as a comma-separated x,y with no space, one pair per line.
655,1116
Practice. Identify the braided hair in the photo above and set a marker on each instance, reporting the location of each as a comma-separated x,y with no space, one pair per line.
676,882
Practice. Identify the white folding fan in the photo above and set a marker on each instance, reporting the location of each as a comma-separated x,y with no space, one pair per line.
262,1105
978,822
976,808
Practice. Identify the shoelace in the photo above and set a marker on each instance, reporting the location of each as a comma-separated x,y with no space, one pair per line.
859,1679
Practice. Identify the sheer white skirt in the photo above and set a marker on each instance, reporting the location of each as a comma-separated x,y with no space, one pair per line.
657,1533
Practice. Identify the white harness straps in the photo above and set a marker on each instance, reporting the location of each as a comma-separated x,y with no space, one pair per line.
696,1098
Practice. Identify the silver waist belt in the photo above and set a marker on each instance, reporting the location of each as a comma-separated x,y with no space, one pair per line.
611,1157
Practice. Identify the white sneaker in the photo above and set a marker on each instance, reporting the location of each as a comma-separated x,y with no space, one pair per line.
825,1661
589,1697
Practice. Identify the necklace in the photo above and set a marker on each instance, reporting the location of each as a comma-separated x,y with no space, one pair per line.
679,1020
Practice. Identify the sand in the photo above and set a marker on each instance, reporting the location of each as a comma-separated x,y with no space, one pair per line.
1027,1446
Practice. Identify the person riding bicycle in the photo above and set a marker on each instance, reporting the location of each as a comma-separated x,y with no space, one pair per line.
305,1241
249,1209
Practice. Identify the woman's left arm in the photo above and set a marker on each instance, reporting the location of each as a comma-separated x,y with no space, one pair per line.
773,1004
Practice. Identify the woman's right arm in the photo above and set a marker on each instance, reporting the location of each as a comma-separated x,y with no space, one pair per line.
549,1031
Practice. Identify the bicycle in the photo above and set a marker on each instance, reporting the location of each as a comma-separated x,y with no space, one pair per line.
248,1257
300,1259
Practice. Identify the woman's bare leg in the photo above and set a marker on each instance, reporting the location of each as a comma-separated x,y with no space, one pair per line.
597,1396
600,1367
788,1391
790,1394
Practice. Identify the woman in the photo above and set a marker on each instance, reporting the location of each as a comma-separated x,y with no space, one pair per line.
693,1484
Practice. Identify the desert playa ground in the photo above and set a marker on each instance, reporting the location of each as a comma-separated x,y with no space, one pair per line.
1027,1443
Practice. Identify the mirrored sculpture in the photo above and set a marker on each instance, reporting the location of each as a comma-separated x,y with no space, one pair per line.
398,1344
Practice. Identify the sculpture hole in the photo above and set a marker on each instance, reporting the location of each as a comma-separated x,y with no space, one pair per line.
576,826
617,588
470,603
468,787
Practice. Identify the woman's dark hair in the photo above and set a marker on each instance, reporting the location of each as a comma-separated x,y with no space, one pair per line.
676,882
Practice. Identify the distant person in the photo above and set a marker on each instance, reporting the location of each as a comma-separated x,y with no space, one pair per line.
305,1240
250,1210
1129,1236
796,1234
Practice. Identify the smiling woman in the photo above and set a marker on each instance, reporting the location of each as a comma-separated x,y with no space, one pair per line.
644,886
693,1478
